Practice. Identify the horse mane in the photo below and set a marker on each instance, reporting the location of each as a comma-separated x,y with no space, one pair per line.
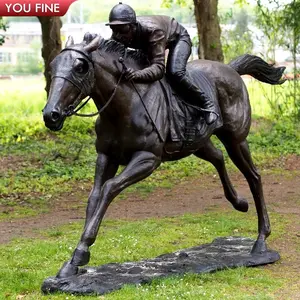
112,46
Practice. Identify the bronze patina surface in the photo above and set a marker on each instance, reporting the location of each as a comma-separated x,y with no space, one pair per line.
137,120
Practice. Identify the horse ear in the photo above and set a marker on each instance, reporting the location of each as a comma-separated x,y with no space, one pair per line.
88,37
93,45
69,42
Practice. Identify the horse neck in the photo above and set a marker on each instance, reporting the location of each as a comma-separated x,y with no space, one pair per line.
107,74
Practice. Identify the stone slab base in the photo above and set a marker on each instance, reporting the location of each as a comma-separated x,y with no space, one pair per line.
222,253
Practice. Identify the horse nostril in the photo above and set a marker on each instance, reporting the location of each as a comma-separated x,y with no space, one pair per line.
55,116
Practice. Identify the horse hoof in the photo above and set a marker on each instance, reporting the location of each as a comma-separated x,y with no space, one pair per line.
242,205
259,247
67,270
80,257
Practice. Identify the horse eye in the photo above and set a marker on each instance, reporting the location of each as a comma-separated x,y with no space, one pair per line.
81,66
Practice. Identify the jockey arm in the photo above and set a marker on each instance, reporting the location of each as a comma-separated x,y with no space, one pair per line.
156,55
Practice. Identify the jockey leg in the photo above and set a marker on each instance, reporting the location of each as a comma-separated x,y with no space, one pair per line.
202,98
176,69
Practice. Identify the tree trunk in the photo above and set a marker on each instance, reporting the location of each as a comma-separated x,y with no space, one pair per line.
2,27
51,43
209,32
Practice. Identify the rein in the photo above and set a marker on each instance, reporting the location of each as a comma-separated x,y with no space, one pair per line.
121,60
73,109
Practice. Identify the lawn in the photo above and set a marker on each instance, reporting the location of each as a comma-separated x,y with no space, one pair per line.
26,263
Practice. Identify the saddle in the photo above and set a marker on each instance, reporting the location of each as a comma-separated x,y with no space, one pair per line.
187,123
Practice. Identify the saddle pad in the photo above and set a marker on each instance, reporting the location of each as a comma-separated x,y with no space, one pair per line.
187,123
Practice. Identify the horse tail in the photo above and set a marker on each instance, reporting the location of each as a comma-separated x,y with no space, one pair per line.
258,68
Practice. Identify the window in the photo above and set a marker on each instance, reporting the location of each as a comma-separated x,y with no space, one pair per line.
5,57
25,56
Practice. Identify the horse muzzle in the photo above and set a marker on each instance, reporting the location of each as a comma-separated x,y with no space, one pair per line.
53,119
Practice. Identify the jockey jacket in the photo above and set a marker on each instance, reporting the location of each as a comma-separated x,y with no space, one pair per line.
154,35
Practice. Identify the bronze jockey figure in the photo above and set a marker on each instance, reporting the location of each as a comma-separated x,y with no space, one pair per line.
153,35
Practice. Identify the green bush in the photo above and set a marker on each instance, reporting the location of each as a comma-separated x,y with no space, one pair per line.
279,137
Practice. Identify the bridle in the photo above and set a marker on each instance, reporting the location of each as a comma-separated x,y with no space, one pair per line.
85,87
73,109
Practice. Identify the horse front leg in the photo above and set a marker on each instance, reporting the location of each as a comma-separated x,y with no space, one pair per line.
106,168
141,166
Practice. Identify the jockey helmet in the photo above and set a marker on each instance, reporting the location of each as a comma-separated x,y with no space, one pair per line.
121,14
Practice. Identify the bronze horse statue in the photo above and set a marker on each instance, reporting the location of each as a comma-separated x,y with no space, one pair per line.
130,133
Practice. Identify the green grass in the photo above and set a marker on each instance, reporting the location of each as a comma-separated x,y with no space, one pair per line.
274,101
26,263
21,103
22,96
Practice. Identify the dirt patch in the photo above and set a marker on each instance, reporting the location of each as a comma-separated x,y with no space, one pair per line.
13,163
205,193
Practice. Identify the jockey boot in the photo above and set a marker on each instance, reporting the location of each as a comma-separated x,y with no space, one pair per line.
201,99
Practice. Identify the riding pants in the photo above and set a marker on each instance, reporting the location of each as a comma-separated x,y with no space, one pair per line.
178,56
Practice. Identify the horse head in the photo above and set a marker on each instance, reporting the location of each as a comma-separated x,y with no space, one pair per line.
72,79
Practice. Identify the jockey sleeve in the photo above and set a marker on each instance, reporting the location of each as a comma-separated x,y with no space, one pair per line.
156,56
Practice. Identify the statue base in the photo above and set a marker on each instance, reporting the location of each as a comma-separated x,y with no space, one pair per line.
222,253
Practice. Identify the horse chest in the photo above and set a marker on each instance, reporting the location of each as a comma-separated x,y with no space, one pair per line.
120,143
122,146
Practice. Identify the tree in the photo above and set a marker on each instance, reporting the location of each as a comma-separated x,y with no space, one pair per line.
237,39
291,26
3,27
51,40
280,25
209,32
268,21
291,40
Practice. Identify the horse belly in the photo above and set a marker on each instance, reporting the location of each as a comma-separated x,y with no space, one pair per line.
122,146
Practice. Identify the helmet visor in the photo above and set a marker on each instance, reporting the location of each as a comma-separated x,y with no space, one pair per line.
117,22
120,28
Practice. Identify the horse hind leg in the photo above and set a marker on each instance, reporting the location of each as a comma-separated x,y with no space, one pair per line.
215,156
240,155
